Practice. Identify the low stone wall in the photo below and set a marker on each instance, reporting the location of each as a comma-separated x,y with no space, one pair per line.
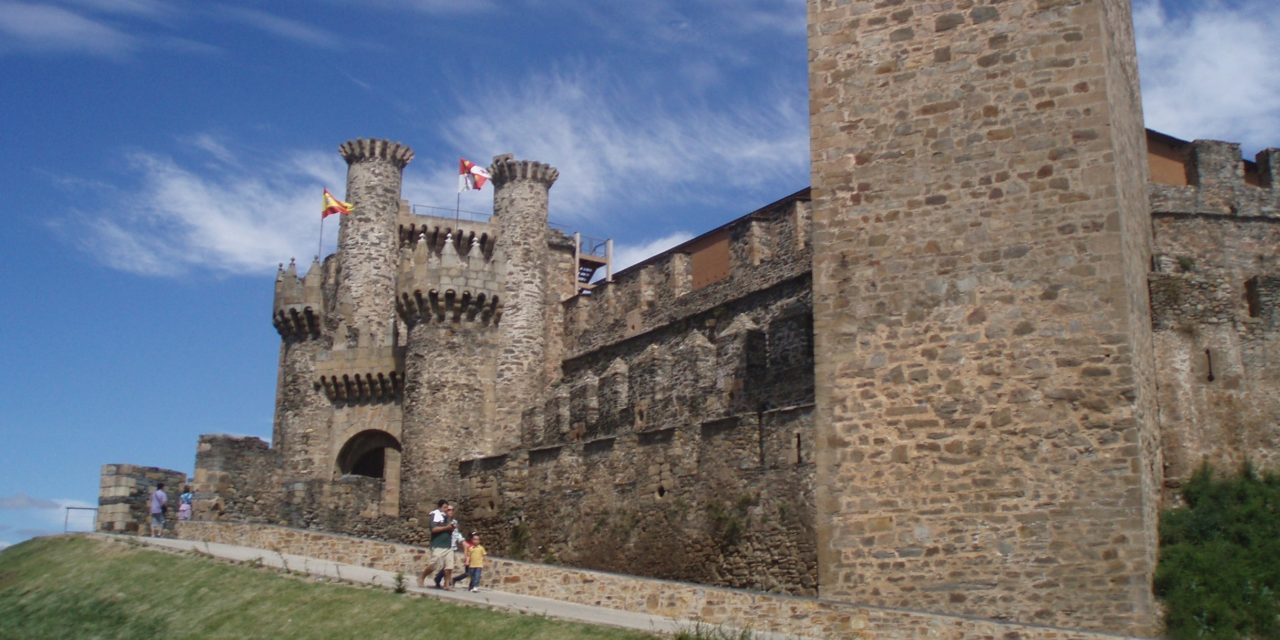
124,496
802,617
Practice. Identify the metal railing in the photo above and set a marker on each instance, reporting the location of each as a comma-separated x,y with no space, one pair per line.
592,246
450,212
66,517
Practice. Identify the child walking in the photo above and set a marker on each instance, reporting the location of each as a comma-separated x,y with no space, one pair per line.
475,561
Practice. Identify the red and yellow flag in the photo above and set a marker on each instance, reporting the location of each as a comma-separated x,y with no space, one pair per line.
470,176
333,205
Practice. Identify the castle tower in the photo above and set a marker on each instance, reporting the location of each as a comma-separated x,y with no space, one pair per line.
520,197
983,341
303,412
367,239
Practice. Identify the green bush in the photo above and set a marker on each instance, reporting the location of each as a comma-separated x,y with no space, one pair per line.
1219,570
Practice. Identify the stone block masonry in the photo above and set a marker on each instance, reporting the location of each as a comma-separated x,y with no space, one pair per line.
979,266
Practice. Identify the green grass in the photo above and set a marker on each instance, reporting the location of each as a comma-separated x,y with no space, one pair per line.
1219,571
76,587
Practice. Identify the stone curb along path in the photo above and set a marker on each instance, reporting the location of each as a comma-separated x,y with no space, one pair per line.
498,600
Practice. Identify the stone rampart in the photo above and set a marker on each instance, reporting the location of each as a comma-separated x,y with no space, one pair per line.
728,501
124,495
747,255
801,617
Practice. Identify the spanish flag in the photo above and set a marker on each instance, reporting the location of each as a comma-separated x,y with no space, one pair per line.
333,205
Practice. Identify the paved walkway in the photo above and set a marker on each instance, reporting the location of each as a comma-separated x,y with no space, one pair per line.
485,598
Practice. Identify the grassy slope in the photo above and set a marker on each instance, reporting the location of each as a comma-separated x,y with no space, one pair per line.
84,588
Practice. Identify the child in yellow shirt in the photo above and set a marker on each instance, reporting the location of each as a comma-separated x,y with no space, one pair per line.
475,560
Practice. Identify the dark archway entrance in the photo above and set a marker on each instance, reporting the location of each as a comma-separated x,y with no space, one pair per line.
365,454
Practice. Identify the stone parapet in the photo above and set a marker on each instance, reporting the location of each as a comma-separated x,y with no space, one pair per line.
452,283
1217,184
757,251
506,168
434,230
365,150
361,374
298,309
792,616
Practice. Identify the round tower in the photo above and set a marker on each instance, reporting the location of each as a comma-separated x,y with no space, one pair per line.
367,244
520,196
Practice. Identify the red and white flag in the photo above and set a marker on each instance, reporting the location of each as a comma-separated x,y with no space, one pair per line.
470,176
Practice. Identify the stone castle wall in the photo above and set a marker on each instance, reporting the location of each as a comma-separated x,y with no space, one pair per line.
1214,306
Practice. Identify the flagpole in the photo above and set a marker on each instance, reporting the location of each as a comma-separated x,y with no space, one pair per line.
320,244
457,210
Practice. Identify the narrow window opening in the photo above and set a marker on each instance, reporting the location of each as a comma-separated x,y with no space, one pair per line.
662,491
1208,359
1253,297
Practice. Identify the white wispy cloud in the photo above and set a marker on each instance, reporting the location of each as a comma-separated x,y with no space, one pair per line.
1209,71
223,218
283,27
616,148
45,28
625,255
24,501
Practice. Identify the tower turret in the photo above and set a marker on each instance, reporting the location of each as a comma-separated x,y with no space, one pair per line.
450,297
520,196
367,238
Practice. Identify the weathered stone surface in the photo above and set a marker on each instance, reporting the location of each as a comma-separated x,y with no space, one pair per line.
983,497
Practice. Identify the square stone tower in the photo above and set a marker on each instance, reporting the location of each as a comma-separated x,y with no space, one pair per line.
986,438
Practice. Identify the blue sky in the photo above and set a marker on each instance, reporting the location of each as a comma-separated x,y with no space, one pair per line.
158,159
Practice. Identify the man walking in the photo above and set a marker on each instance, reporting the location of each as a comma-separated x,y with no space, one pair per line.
158,502
442,528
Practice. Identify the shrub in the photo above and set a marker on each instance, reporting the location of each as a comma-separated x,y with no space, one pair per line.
1219,569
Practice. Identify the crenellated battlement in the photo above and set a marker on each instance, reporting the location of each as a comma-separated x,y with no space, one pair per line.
434,230
1210,177
366,373
447,279
750,253
506,168
298,311
364,149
